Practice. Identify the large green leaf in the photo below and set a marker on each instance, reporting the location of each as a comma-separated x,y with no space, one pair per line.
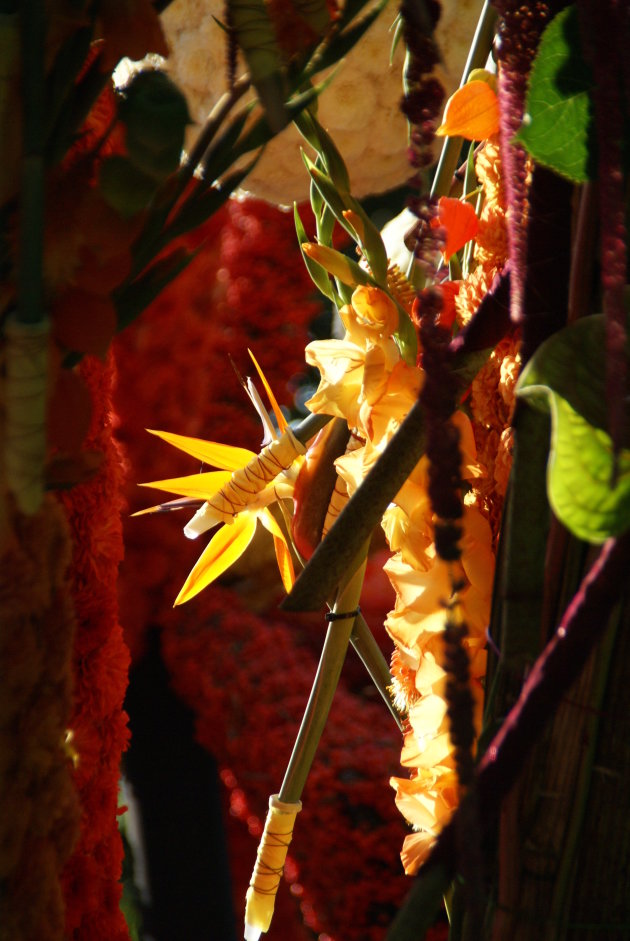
579,477
572,363
588,491
558,128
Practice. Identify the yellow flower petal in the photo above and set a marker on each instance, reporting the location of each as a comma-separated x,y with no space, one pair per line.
226,546
224,456
282,422
201,486
283,555
341,367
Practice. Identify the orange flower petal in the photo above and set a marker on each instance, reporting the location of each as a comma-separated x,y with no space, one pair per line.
223,456
282,422
200,486
226,546
283,556
471,112
450,290
460,221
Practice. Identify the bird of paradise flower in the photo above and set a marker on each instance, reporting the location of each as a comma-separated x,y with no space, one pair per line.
237,494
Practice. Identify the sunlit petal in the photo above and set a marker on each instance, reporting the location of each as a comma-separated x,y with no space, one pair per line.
471,112
201,486
282,422
283,555
460,221
225,547
224,456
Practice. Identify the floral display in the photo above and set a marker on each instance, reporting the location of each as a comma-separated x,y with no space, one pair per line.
383,594
244,249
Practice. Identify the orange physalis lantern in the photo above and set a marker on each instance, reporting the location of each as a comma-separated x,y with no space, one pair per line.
471,112
459,220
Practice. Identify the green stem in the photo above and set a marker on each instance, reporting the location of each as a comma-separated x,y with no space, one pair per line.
477,57
375,663
324,686
309,427
359,517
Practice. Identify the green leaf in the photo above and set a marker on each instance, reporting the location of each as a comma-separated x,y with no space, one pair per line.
571,363
406,337
579,476
220,155
345,292
318,274
566,377
333,180
558,128
321,141
260,132
370,238
324,216
132,299
329,193
344,40
205,202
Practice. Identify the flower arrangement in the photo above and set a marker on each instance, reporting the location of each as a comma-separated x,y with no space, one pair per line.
470,423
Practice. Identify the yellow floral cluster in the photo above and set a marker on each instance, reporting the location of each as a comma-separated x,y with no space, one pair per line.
365,380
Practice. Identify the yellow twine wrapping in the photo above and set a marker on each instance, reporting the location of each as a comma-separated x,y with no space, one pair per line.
246,483
272,852
26,380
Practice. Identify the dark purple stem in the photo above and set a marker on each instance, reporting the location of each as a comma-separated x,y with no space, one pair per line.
520,28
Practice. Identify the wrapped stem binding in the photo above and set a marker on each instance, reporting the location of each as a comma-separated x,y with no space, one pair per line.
270,859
